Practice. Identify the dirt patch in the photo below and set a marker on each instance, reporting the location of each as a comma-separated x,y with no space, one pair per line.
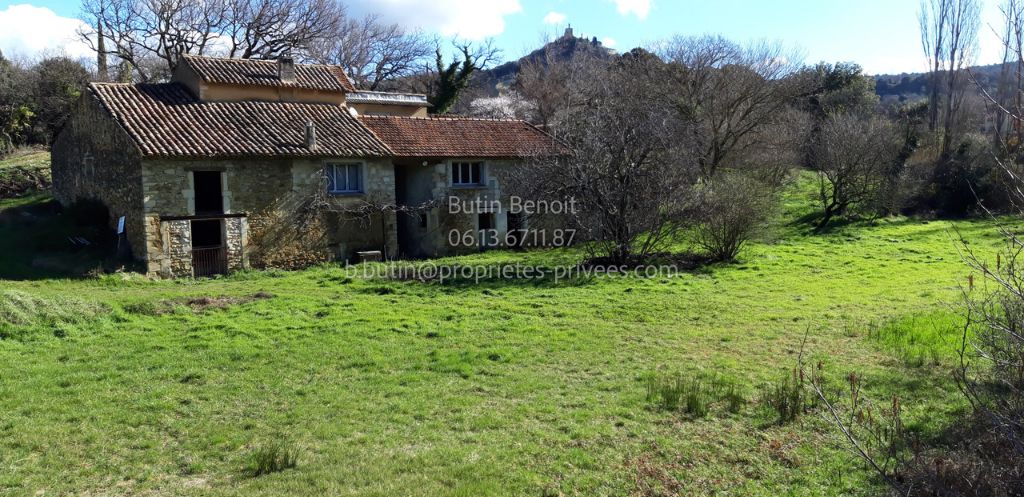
196,304
202,304
654,477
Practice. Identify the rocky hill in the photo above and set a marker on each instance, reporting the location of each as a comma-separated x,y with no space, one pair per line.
563,48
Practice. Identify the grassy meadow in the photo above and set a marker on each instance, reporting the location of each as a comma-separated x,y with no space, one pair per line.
119,385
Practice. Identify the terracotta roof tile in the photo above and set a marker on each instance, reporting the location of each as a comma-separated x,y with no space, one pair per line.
460,137
166,120
256,72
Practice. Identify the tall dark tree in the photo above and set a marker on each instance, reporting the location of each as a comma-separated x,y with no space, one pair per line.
839,88
449,80
57,83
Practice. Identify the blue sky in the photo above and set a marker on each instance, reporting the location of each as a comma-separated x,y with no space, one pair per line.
881,35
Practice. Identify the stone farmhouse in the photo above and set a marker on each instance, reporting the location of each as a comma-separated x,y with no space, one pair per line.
200,166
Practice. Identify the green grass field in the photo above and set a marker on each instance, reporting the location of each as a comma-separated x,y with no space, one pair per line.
117,385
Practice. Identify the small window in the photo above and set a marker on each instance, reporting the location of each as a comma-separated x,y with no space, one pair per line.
467,173
344,178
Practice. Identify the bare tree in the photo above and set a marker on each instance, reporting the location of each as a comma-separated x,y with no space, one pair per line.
266,29
730,93
374,52
632,184
547,83
150,36
138,31
1007,103
949,37
852,155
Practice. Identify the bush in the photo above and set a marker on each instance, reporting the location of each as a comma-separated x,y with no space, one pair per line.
272,458
733,209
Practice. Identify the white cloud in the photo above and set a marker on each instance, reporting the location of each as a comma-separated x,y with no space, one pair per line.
27,30
639,8
609,42
469,19
555,18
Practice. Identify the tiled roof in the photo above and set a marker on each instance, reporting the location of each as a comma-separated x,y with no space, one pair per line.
460,137
255,72
166,120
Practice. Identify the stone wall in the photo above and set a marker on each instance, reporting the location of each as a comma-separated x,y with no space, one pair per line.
236,238
438,237
177,237
268,191
349,233
93,158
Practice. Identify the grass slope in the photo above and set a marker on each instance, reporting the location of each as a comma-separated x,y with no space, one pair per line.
22,172
122,386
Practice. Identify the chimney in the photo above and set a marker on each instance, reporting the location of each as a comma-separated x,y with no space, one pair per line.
286,69
311,136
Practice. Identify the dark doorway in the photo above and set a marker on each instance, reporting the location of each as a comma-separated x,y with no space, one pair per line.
208,194
516,224
208,253
485,227
413,189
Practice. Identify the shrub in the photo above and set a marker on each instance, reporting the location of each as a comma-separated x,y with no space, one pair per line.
732,209
272,458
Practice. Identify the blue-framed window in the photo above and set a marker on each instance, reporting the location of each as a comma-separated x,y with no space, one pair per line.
344,177
467,173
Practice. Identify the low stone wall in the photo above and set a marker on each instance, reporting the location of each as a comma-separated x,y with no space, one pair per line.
235,241
177,257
